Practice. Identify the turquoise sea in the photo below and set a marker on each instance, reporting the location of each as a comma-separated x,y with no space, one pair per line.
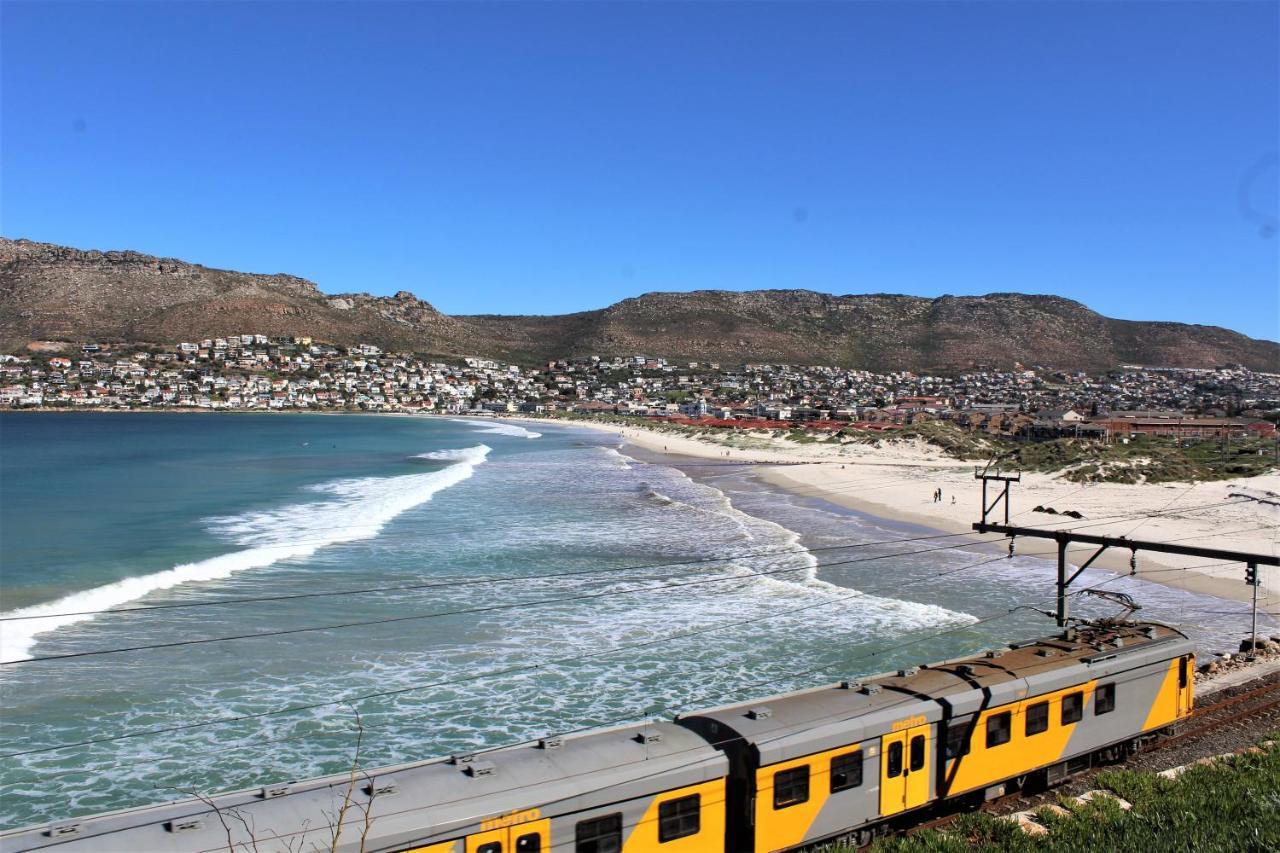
510,581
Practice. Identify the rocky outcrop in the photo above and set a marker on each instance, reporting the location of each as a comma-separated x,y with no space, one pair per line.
53,292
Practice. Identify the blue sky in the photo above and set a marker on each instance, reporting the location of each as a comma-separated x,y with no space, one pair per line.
543,157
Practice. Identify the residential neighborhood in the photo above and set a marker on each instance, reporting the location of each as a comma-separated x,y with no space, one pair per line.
253,372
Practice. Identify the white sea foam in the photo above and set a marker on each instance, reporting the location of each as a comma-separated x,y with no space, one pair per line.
624,461
449,455
499,428
573,508
791,574
357,509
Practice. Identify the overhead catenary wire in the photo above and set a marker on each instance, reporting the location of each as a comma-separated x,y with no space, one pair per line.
629,647
709,559
401,690
700,748
716,627
461,582
490,608
714,744
486,608
737,689
475,581
634,715
788,676
308,707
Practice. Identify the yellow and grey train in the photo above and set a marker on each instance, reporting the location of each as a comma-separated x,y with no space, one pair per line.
844,760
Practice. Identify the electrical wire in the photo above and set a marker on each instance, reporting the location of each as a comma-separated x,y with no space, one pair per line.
425,686
485,609
790,676
461,582
715,744
412,688
719,626
466,582
416,537
545,664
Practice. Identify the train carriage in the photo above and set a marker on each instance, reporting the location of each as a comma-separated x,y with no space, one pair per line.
632,789
846,759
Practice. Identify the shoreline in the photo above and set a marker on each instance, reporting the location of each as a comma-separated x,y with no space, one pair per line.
896,484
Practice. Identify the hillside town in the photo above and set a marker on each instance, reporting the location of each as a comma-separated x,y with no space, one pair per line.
254,372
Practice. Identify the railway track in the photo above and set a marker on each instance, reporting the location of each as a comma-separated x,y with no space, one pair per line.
1224,712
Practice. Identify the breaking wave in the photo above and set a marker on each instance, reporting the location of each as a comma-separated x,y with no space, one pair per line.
355,509
499,428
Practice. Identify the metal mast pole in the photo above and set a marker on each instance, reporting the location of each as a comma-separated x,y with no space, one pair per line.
1065,538
1253,628
1062,583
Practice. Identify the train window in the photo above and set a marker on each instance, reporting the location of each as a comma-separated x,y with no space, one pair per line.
846,771
531,843
601,835
957,740
894,759
1182,671
790,787
1104,699
491,847
1072,708
1037,718
917,753
998,728
678,818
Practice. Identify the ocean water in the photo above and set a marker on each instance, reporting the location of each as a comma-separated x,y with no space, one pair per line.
495,583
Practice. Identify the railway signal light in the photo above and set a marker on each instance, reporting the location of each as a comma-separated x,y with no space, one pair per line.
1251,574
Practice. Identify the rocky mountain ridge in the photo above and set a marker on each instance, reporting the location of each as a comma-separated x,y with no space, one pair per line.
50,292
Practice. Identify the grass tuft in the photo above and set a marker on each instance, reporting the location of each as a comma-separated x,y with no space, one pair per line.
1230,806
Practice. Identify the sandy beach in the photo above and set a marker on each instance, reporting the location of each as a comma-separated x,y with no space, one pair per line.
897,481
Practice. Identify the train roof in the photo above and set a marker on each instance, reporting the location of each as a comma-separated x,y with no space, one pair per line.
424,801
794,724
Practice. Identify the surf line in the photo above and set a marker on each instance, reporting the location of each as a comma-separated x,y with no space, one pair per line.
358,509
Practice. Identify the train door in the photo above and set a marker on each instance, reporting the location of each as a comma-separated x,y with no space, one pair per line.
917,772
904,770
532,837
893,763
